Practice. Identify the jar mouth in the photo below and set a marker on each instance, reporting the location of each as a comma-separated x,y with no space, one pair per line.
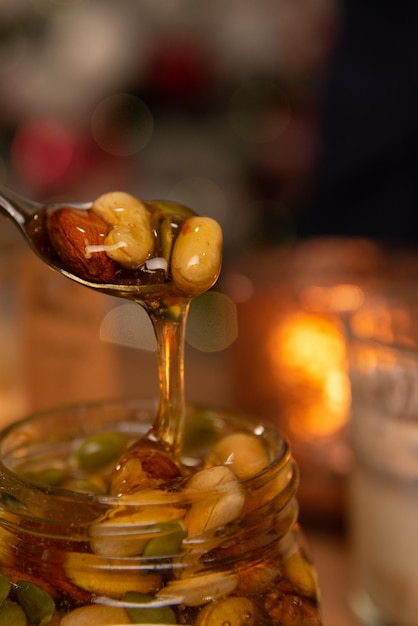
57,431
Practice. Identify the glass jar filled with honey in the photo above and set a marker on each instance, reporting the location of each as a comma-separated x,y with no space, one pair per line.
92,535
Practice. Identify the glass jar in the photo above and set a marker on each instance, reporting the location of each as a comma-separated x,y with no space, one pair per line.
383,493
215,547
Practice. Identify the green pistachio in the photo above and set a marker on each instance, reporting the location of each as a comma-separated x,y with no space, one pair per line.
168,543
200,432
170,216
4,587
98,451
171,208
13,503
86,485
35,601
51,477
168,230
143,614
11,614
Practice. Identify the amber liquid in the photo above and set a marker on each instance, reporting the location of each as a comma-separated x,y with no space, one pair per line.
255,548
253,570
153,289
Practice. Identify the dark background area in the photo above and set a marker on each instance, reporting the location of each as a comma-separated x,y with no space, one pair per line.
281,119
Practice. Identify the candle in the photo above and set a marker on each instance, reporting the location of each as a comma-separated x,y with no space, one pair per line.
290,360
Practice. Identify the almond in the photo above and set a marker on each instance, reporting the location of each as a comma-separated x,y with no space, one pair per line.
143,466
70,232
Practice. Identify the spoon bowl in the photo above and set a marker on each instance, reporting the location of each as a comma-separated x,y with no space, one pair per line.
158,254
31,219
28,215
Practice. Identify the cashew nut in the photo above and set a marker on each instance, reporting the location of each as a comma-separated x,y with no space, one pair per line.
197,255
130,239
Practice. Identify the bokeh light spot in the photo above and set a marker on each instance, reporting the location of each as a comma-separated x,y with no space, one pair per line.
122,124
212,323
239,287
43,151
202,195
128,325
259,111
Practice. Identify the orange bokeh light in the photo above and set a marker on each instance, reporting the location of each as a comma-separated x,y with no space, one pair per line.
307,353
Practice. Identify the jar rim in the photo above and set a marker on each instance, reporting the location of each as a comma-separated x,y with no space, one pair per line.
17,437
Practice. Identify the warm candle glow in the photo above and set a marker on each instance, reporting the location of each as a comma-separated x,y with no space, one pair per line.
308,353
291,355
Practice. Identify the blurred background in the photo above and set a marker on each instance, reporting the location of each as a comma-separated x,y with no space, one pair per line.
282,118
212,105
292,122
217,107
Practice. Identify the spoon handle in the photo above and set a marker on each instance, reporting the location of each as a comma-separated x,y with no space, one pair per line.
17,208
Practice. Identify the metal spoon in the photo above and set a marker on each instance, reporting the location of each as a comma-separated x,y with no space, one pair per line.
23,212
168,319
